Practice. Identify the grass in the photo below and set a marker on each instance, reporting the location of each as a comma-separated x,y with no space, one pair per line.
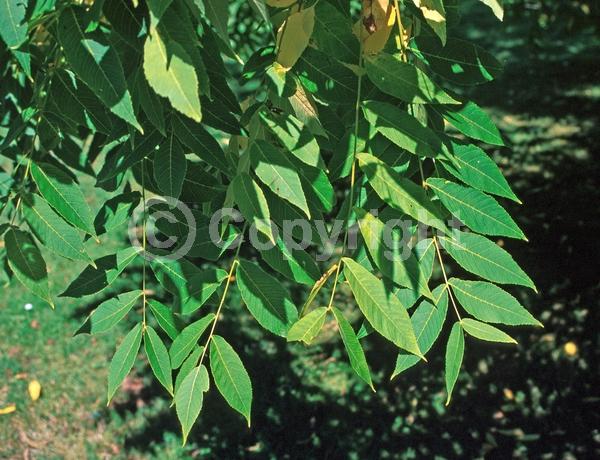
38,344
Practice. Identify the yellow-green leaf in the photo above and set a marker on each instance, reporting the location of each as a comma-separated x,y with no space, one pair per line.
381,308
170,72
308,327
484,331
158,357
455,350
124,359
230,376
358,361
189,397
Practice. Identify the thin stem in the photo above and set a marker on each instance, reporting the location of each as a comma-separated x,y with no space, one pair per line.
400,30
317,287
423,184
439,254
353,170
234,264
27,170
144,246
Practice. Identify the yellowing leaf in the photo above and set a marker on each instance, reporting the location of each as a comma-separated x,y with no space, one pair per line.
435,15
35,390
293,36
8,409
170,73
375,27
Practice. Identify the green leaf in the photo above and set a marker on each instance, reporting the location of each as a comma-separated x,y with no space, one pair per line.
188,365
119,161
482,257
164,317
64,195
170,73
404,130
484,331
6,183
266,299
157,9
97,63
217,12
201,143
260,7
427,321
318,189
218,116
326,77
158,357
333,35
200,186
358,361
252,203
26,262
95,279
116,211
13,27
404,81
308,327
478,170
170,167
496,7
73,101
340,165
188,399
277,172
472,121
187,340
425,253
295,264
487,302
111,311
458,61
294,136
392,256
193,286
124,358
381,308
54,233
400,193
151,103
230,376
478,211
435,16
202,245
455,350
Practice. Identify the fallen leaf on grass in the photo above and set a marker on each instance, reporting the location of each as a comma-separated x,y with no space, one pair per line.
35,389
8,409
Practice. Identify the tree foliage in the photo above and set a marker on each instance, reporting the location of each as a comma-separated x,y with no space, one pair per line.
329,112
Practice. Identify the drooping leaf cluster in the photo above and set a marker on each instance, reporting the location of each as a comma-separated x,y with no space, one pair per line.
355,115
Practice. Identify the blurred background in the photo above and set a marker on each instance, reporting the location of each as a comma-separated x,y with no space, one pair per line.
540,399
